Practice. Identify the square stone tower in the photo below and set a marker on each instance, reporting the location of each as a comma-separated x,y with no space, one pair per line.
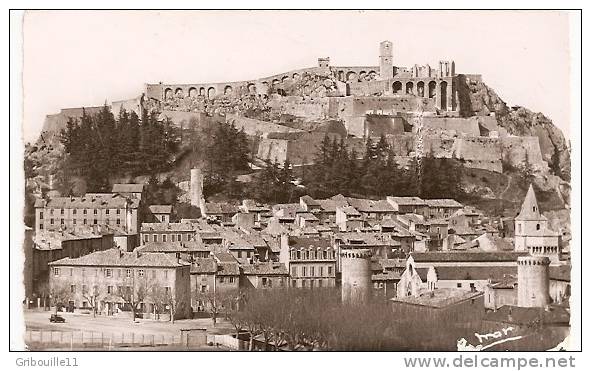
386,60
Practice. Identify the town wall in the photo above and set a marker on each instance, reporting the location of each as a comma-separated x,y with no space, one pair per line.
469,126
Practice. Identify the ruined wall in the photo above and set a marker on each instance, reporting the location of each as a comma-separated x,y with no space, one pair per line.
273,149
372,87
310,109
480,153
255,127
516,150
57,122
468,126
377,125
130,105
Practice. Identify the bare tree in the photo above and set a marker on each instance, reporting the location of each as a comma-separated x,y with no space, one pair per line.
92,296
135,295
60,294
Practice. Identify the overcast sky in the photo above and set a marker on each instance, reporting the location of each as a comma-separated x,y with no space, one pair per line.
74,59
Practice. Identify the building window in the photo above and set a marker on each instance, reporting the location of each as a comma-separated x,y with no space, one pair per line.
303,271
84,222
74,221
108,273
239,253
165,274
56,272
73,289
74,211
41,226
459,285
51,221
140,272
110,290
95,211
146,238
41,215
248,254
95,222
50,211
107,211
154,238
173,238
330,271
537,227
118,211
163,238
128,273
298,254
178,237
312,271
294,271
84,211
321,271
107,221
231,279
61,221
293,283
167,290
188,236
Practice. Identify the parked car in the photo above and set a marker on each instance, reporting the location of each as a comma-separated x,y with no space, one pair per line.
57,318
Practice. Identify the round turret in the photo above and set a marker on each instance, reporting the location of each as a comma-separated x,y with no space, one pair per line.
356,274
533,281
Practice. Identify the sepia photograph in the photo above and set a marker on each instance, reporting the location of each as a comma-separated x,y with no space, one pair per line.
305,180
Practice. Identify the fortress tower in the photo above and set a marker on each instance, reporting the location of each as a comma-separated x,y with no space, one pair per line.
386,60
533,281
356,274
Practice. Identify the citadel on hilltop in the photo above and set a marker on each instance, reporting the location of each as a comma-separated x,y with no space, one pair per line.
289,114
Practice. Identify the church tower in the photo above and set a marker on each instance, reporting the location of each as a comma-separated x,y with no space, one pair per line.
528,221
386,60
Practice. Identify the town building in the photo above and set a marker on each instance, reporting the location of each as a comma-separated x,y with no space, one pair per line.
92,209
212,279
161,213
311,261
49,246
112,281
265,275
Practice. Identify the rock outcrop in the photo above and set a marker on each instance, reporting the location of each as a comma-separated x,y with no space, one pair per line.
476,98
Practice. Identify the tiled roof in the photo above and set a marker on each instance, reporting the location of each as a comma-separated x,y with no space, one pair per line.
128,188
228,269
388,276
52,240
406,201
160,209
350,211
204,266
220,208
168,227
443,202
309,201
265,269
308,216
474,273
330,205
473,256
116,258
306,242
170,247
224,257
90,201
370,206
392,263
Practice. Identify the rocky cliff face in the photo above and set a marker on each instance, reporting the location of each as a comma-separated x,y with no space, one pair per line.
476,98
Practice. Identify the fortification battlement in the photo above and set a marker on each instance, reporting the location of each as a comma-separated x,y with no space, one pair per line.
386,70
533,260
355,253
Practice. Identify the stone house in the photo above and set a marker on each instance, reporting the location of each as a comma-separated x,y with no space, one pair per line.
266,275
311,261
50,246
115,279
161,213
442,208
212,278
92,209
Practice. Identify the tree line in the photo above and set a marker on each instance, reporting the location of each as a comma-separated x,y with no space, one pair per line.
100,145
